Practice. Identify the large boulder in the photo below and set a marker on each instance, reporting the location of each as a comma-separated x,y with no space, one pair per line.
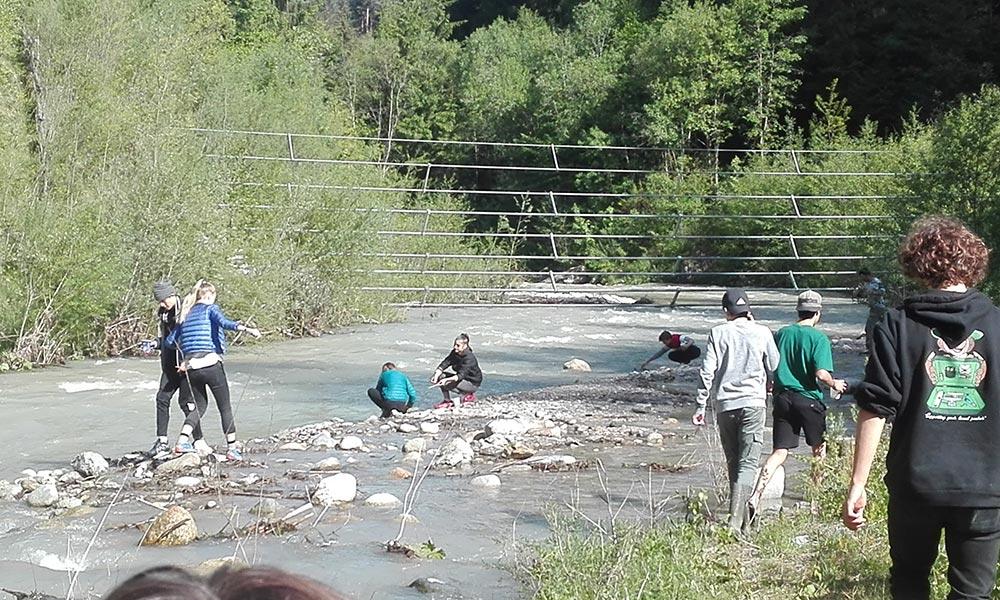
174,527
342,487
576,364
43,496
90,464
181,464
457,452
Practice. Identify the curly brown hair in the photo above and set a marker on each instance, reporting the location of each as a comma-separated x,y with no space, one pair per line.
942,251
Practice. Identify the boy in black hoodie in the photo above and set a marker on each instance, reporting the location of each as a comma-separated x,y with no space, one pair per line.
935,373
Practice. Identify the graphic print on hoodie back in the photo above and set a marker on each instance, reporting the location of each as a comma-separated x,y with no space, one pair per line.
930,375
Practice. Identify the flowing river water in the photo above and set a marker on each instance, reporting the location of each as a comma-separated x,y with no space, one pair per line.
107,406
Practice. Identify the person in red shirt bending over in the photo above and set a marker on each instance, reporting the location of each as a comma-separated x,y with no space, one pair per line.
678,348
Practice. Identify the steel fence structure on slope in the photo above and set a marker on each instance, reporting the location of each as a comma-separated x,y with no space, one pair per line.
793,267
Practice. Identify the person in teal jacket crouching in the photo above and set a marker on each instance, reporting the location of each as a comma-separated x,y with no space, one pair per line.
393,391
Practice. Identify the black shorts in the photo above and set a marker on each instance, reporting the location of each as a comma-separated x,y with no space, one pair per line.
795,413
684,355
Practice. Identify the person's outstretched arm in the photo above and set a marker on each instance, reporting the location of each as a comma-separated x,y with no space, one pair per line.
660,353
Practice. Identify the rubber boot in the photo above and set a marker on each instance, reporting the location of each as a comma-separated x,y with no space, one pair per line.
738,497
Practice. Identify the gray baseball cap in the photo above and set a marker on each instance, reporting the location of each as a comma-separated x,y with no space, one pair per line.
810,301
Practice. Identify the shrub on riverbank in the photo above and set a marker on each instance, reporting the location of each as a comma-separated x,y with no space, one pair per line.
804,553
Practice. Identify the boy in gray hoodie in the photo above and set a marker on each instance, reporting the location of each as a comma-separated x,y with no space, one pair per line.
740,356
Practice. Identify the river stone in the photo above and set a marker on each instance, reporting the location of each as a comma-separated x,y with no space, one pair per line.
430,427
415,445
555,432
655,438
400,473
327,464
351,442
457,452
519,452
486,481
552,460
90,464
9,491
382,499
28,473
293,446
491,450
29,484
427,585
411,457
187,482
181,464
68,502
576,364
506,427
173,527
407,428
230,563
265,509
323,440
72,477
44,496
342,487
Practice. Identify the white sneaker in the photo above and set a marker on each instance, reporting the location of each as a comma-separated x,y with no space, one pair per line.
202,447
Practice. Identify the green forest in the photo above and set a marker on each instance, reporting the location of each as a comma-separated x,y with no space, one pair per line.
135,149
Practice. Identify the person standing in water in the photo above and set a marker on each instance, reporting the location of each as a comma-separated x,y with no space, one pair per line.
798,407
459,371
201,336
739,358
934,372
393,391
171,381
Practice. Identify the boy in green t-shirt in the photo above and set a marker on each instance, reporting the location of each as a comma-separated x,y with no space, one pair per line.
806,361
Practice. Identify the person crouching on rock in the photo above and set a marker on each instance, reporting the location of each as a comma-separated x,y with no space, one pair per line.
393,391
459,371
678,348
201,337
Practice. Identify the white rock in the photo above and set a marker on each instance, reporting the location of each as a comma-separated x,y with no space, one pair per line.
415,445
407,428
323,440
90,464
430,427
71,477
384,427
44,496
486,481
187,482
342,487
327,464
411,457
68,502
293,446
457,452
371,420
551,460
576,365
182,463
351,442
9,491
211,504
506,427
382,499
28,473
655,438
250,479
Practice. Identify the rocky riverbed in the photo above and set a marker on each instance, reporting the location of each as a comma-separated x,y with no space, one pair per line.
434,498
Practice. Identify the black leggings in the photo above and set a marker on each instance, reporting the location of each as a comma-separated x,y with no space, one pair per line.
387,406
213,378
170,382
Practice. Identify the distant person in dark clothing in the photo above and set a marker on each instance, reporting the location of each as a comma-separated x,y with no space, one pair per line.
871,292
460,372
934,372
393,391
678,348
171,381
